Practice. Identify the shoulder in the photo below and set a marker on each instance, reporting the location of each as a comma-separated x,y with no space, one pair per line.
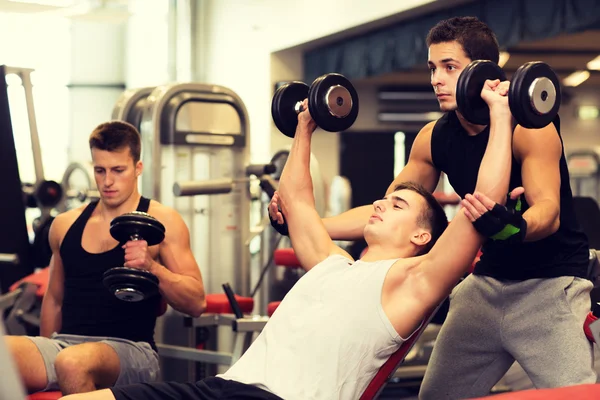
62,222
544,140
168,216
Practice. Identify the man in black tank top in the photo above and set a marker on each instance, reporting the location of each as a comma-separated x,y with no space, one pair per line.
89,338
529,294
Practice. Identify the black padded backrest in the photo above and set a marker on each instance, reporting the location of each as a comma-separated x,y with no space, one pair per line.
14,239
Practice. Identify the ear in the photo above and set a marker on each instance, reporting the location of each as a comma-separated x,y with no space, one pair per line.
139,167
421,237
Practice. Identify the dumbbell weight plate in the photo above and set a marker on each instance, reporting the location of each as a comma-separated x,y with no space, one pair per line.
333,102
283,106
137,223
130,284
534,95
468,90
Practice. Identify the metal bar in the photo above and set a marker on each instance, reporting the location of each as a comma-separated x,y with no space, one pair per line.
194,188
25,75
188,353
251,324
9,299
9,258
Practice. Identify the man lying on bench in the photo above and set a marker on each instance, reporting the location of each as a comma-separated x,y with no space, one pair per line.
343,319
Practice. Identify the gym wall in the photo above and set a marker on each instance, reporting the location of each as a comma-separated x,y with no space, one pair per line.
238,37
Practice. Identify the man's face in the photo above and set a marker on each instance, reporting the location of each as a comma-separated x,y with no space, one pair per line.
394,221
446,61
116,174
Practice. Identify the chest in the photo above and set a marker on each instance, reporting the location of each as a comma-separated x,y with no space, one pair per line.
461,159
96,238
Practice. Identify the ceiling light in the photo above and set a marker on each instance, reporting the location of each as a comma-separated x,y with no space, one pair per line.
504,56
594,64
576,78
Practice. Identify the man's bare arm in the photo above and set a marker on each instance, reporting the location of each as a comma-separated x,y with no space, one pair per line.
309,238
454,251
180,280
51,312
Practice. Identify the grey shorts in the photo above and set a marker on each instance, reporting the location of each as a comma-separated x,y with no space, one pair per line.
139,362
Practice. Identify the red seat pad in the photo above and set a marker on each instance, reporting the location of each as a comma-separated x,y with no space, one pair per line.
586,326
286,258
39,278
271,307
45,396
577,392
217,303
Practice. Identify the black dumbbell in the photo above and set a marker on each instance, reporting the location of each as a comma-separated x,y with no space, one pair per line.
332,102
534,93
132,284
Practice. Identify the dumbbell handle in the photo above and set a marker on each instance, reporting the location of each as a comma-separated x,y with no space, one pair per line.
298,107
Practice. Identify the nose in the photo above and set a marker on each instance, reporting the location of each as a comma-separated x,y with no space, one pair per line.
108,180
435,78
378,205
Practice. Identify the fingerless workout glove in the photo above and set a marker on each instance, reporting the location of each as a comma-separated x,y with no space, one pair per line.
281,228
503,223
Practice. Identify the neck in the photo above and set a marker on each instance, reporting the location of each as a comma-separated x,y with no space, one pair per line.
109,212
378,252
471,129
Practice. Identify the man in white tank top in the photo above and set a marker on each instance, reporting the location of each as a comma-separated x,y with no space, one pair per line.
344,318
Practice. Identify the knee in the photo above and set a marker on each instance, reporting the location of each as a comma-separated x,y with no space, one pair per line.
70,362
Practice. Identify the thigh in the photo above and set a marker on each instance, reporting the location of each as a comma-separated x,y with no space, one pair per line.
35,356
91,358
138,361
546,331
468,357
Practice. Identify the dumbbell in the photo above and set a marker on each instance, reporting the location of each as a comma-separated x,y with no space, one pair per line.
332,102
533,96
133,284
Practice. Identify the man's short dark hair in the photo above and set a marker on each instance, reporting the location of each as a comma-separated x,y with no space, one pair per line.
432,217
117,135
475,37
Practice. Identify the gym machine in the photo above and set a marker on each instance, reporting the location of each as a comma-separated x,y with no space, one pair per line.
15,248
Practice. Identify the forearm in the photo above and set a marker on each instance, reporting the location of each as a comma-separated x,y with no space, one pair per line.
183,293
492,179
50,316
543,219
348,225
295,184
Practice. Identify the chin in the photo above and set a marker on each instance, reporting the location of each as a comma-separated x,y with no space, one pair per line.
444,107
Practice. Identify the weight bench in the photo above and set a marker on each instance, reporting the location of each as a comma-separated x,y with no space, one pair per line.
220,312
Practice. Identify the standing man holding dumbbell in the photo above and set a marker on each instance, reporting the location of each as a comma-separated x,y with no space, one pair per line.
111,261
528,297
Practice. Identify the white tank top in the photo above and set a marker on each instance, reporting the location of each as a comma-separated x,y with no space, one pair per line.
328,337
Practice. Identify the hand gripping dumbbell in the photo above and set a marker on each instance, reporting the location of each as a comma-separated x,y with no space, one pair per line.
332,102
133,284
533,96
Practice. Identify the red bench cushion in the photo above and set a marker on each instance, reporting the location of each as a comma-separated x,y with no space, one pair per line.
39,278
579,392
45,396
286,258
217,303
271,307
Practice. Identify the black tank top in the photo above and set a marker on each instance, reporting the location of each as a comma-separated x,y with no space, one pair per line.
564,253
88,307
